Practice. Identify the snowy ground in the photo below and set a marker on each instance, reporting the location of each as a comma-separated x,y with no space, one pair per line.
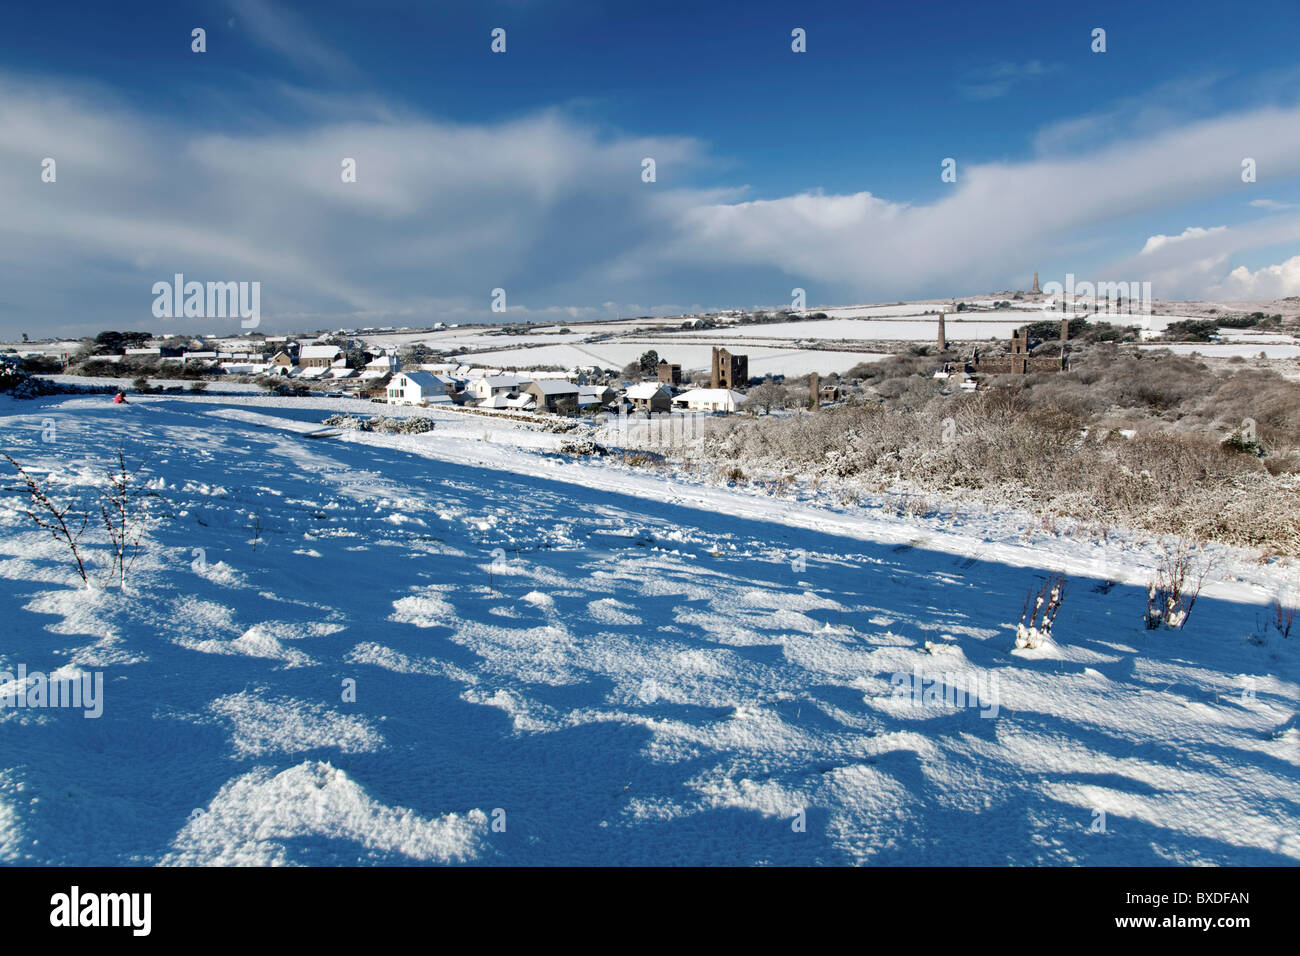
617,666
689,355
1227,350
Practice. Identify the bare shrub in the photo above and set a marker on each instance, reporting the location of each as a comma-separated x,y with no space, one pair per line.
122,509
1039,612
53,518
1282,616
1177,583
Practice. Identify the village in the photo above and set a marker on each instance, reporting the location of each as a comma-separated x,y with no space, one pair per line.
368,367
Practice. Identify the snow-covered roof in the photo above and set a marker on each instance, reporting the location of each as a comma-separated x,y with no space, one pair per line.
555,387
646,390
319,351
712,396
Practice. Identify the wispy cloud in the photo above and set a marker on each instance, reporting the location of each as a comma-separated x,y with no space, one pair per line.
998,79
288,34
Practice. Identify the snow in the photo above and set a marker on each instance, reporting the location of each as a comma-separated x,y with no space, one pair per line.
620,665
691,356
1227,350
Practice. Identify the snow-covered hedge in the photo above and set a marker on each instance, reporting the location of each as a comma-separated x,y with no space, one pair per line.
386,426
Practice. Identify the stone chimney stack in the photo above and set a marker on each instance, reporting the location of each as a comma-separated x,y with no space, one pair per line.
1035,289
943,338
713,375
814,391
1065,330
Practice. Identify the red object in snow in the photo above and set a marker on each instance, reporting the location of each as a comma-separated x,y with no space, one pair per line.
119,399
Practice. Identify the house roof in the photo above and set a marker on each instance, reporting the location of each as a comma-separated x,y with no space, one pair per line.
319,351
501,381
550,386
713,396
646,390
425,380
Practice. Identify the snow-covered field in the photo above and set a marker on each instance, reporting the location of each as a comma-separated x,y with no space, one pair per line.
1229,349
691,357
869,330
561,661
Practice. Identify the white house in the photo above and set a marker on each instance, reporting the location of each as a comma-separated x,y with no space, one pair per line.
416,388
550,395
650,397
381,365
710,400
489,385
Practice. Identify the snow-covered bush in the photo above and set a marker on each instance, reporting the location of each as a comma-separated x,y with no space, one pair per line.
1177,583
349,422
401,426
1039,613
583,446
20,385
386,426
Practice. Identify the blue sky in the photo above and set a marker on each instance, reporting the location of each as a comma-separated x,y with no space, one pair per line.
522,170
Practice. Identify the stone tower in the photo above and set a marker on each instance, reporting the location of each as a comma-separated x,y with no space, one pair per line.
814,391
1035,290
943,339
728,371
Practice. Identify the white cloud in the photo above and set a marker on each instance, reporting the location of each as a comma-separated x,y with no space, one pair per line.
1271,282
1191,232
556,213
1271,204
